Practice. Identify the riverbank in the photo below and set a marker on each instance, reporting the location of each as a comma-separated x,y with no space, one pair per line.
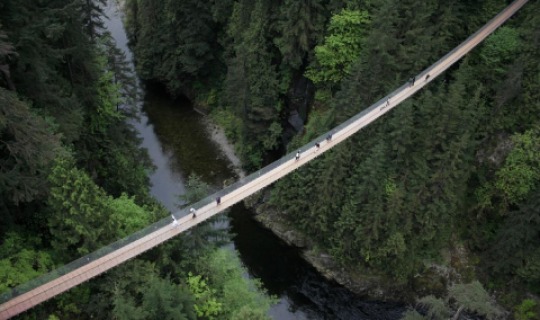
217,135
372,286
434,279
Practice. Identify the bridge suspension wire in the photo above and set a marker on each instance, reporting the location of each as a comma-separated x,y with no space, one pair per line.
36,291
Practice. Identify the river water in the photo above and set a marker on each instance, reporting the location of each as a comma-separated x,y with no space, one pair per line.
178,143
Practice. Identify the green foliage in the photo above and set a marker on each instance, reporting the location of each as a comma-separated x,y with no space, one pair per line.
474,298
514,248
78,210
196,189
386,199
27,150
251,83
300,26
437,308
56,68
228,121
516,178
323,95
174,42
471,297
529,272
106,113
165,300
341,47
500,47
82,216
125,309
161,299
199,241
248,313
412,315
126,215
22,260
235,294
525,311
69,305
521,170
271,141
218,290
206,304
389,199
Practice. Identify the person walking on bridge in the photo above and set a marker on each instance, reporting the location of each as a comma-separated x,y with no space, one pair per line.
297,156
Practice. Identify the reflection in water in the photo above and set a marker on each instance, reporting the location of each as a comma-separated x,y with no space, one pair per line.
182,133
303,292
178,145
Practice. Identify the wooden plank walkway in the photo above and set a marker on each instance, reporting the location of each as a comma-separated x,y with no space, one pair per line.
255,183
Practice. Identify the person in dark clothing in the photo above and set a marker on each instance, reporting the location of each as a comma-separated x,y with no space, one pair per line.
218,200
427,77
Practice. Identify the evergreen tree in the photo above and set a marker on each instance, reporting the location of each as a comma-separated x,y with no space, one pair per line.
22,258
299,25
27,151
252,82
174,42
92,13
83,218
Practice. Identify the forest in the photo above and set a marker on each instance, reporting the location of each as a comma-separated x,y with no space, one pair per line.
449,179
74,179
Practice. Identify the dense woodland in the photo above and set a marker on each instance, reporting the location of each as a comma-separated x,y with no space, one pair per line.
73,178
455,169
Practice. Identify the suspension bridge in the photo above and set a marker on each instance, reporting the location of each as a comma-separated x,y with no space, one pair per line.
62,279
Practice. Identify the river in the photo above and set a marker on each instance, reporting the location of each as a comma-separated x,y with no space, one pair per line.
178,143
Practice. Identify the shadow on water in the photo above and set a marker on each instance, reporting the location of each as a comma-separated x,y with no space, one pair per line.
303,292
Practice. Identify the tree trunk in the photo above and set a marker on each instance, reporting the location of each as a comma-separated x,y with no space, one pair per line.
458,312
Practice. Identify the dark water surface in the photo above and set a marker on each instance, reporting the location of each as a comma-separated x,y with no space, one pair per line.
178,144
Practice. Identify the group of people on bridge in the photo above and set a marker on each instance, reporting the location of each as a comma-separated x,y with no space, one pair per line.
193,212
317,147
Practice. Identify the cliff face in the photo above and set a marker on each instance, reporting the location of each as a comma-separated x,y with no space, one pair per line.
434,279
